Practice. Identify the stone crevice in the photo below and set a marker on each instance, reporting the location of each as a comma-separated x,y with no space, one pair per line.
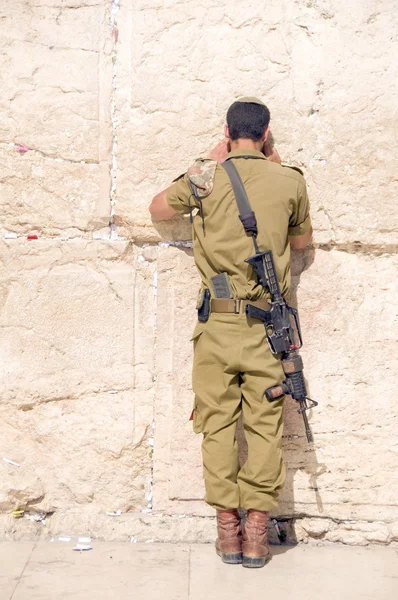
37,401
348,248
113,23
87,161
51,47
66,6
362,249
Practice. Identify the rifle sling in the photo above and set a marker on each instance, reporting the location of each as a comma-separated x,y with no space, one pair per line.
239,189
246,213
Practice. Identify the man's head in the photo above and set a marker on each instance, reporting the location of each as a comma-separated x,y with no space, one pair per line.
248,119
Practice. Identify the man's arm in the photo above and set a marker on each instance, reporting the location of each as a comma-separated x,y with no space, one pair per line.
180,196
160,209
298,242
300,228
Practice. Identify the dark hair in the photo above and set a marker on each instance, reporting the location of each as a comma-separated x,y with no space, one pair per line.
247,120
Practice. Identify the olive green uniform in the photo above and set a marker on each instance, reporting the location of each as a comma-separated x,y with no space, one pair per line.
233,365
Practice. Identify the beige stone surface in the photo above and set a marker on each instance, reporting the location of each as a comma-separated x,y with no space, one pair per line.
19,486
111,570
112,101
14,557
48,197
55,95
177,483
179,527
295,573
134,527
349,311
323,67
76,410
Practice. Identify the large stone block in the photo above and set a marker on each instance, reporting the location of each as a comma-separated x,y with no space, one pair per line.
85,452
50,197
325,70
76,375
349,309
177,477
19,486
56,82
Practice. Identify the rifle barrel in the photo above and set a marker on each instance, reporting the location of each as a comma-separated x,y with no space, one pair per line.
308,431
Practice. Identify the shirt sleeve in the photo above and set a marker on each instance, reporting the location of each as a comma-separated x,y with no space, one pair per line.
180,196
300,220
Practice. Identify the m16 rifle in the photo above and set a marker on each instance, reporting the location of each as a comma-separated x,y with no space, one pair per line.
281,337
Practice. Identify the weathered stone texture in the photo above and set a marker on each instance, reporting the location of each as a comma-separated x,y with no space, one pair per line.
76,409
55,91
323,67
350,324
111,101
47,197
177,483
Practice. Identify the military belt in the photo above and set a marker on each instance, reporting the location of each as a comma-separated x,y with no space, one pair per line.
235,305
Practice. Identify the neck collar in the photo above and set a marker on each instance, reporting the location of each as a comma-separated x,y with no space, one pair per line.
246,152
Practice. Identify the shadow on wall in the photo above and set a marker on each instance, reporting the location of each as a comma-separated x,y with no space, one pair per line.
298,454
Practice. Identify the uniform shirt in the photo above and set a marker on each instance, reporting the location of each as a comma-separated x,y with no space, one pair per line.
278,197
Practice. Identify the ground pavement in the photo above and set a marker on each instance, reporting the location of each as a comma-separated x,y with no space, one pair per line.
54,571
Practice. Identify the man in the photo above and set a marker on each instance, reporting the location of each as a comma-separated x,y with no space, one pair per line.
233,365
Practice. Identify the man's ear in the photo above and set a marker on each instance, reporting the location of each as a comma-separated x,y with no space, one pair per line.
265,134
226,132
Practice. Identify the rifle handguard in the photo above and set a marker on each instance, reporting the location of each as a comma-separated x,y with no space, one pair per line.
294,385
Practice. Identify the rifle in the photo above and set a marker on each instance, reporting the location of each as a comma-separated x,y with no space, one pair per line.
281,337
278,320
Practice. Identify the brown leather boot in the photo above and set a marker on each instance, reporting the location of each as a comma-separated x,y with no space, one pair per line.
229,541
256,552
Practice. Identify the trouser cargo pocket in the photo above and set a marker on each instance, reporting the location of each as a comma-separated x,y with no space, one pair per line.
196,419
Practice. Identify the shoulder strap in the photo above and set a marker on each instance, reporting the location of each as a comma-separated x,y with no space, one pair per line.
246,214
239,189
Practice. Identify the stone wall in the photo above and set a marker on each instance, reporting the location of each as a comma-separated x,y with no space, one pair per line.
102,104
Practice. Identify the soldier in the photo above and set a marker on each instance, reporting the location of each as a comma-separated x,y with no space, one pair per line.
233,364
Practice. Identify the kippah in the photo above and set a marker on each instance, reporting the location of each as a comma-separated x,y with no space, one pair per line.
251,99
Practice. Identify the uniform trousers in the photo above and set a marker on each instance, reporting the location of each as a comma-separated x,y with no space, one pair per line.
232,368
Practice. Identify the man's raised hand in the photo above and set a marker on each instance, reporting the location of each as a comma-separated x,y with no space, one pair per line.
220,151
